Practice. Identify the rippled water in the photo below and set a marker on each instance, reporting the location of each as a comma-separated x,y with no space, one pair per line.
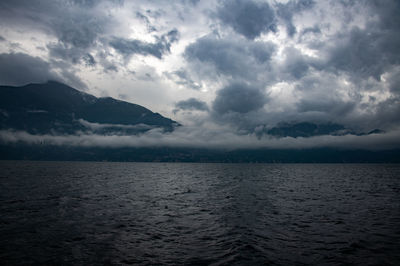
199,214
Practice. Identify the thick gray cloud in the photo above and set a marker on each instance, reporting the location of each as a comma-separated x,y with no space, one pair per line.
73,22
79,30
365,54
388,113
239,97
247,17
161,46
288,10
79,26
192,2
296,65
394,81
89,60
370,51
129,47
236,58
332,107
105,62
20,69
191,104
68,53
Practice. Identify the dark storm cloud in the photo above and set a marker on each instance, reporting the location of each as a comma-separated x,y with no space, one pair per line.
20,69
191,104
77,24
394,81
162,45
73,22
71,54
191,2
288,10
84,3
371,51
362,54
296,64
77,36
237,58
331,107
14,10
89,60
322,100
79,30
239,97
388,114
246,17
106,63
128,47
170,37
2,39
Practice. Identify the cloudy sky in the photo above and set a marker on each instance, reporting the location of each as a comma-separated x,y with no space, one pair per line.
237,67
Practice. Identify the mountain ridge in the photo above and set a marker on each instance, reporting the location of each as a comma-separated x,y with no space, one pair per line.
56,107
310,129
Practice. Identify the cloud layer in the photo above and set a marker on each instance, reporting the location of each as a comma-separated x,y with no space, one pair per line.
236,65
188,137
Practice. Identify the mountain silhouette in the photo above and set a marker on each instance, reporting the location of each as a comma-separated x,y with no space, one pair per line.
54,107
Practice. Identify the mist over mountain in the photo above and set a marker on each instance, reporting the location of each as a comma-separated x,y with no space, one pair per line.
52,121
55,108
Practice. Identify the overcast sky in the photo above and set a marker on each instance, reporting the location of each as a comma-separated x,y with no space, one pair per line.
237,66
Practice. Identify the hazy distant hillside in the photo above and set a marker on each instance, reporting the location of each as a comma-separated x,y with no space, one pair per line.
55,107
308,129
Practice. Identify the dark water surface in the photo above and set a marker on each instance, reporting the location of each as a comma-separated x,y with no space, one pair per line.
80,213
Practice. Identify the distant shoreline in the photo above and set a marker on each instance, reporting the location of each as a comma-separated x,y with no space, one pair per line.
320,155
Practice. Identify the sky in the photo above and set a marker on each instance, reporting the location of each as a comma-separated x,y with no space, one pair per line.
226,70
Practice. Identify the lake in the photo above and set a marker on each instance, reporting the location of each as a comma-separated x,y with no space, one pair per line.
100,213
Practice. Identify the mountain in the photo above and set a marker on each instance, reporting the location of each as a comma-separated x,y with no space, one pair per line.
308,129
57,108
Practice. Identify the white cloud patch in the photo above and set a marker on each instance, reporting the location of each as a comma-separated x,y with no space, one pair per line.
99,126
